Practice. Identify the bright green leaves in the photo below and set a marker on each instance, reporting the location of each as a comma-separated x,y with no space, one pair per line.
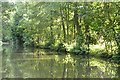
41,23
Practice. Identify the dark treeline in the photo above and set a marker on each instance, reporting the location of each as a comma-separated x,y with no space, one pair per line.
79,28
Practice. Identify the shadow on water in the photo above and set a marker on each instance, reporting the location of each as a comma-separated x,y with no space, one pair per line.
19,62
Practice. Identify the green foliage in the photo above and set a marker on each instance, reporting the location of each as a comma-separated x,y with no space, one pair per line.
80,40
116,58
61,47
49,44
92,40
52,24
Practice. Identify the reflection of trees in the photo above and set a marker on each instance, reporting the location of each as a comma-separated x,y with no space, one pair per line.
78,69
75,68
17,71
36,53
3,63
64,70
118,71
81,66
108,70
102,69
65,67
88,68
6,61
51,68
10,67
68,67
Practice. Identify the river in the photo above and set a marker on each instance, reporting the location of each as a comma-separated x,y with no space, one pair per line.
19,62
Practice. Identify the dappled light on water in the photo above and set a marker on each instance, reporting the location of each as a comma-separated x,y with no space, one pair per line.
40,63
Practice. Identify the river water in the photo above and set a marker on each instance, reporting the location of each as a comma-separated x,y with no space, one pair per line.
19,62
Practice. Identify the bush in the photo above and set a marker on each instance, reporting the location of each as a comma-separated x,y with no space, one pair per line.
116,58
48,45
78,50
61,48
106,55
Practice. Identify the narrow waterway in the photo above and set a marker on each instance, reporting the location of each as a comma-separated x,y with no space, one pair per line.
19,62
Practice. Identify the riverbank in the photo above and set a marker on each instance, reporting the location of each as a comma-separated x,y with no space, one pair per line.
61,48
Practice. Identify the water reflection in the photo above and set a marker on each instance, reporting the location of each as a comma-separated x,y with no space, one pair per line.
39,63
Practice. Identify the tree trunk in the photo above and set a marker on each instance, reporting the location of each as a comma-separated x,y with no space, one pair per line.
62,23
51,29
67,20
76,19
87,36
